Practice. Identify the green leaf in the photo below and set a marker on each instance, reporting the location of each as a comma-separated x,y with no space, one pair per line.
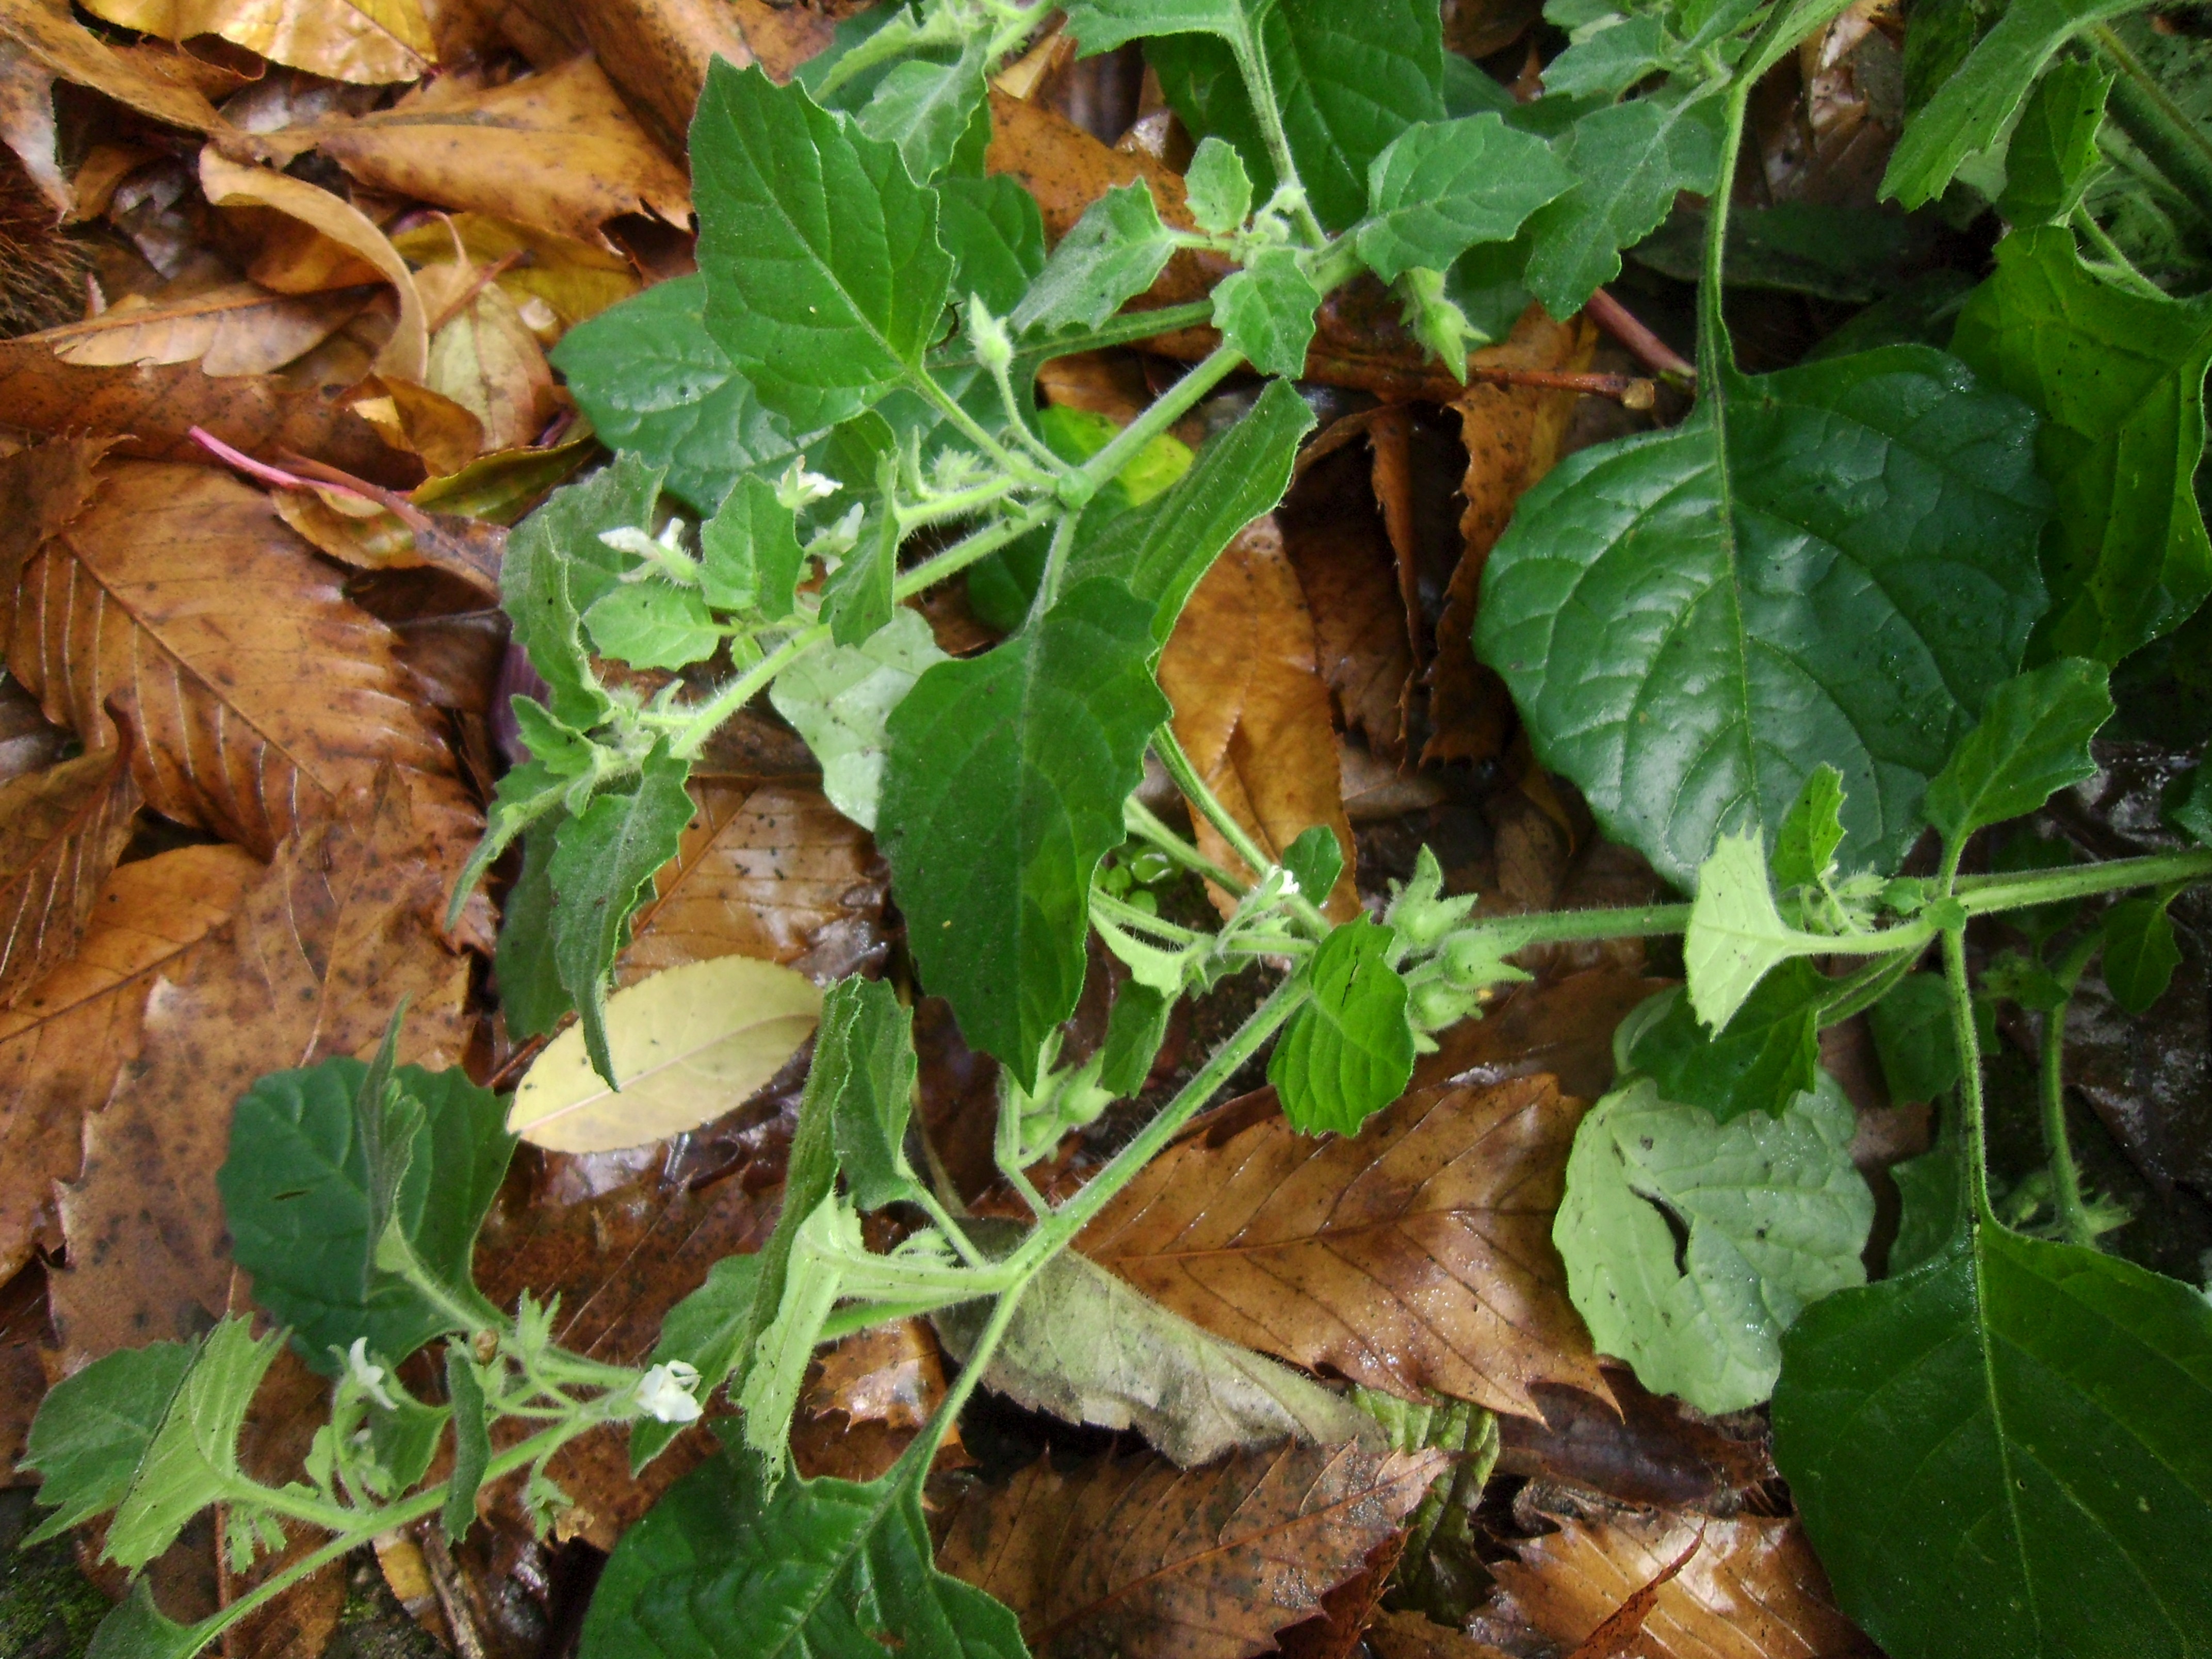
1134,1031
1443,186
995,232
725,1566
1767,1054
1630,162
2119,379
1113,254
1813,829
749,554
295,1196
2187,804
653,623
555,565
1348,1051
1002,789
926,108
530,994
2045,1481
602,860
2053,152
472,1441
1690,1245
137,1629
193,1460
1163,550
1103,24
1610,61
1266,312
813,1286
707,1330
840,698
858,598
2032,742
1736,935
93,1429
865,1046
1217,188
1931,1189
654,382
1970,108
1315,860
1348,79
825,280
405,1438
1088,1347
1913,1038
1821,565
2140,953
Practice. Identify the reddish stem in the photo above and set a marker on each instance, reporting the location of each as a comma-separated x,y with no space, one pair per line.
267,474
1654,353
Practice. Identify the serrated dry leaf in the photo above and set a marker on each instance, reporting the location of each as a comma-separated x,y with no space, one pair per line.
237,329
1252,710
1752,1591
371,42
61,831
773,871
1418,1255
321,950
63,1044
1135,1556
46,32
229,184
689,1044
555,151
256,695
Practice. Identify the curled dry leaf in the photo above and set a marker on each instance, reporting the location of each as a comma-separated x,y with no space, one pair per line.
320,951
413,417
575,278
1338,547
1418,1255
372,42
1133,1556
61,831
1252,711
1752,1590
257,695
485,358
240,328
64,1041
45,33
689,1044
557,151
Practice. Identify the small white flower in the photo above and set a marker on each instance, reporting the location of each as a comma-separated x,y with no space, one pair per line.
665,1392
1290,885
633,540
799,488
369,1378
840,538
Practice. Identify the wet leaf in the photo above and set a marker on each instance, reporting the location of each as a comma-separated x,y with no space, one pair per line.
371,41
61,831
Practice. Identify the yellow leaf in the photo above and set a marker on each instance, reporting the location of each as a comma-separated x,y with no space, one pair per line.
371,42
689,1044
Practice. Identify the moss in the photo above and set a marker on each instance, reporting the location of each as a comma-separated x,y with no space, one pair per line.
48,1609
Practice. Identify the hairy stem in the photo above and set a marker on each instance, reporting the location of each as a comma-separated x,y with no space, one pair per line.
1142,822
1127,329
1982,895
2122,269
2161,131
1970,1068
1715,359
2065,1176
1163,412
1260,89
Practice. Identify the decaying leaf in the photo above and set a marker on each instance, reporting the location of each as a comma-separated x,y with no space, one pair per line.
575,279
369,41
1337,544
1418,1255
50,37
1414,1635
61,831
1752,1591
889,1374
240,328
64,1041
486,359
256,695
689,1044
1133,1555
1252,710
320,951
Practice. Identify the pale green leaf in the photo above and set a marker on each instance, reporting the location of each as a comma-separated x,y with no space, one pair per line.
2053,152
1608,60
840,697
192,1460
749,554
865,1046
1217,188
707,1331
93,1429
653,623
926,108
555,565
1736,935
1805,845
1266,312
1113,254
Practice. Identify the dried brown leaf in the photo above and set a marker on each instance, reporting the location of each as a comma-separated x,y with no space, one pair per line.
657,51
29,742
61,831
321,950
412,417
1414,1635
1336,542
46,34
23,1332
890,1374
371,42
1638,1449
1418,1255
575,279
237,329
1252,710
257,695
487,360
41,490
1135,1556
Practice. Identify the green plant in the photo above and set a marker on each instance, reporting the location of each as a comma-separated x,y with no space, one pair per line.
1772,645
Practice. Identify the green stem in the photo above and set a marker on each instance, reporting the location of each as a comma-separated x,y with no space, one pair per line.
1019,466
959,504
1715,358
1125,328
1567,926
2065,1175
1982,895
1862,990
737,693
1141,821
1194,790
1260,89
2159,128
1970,1068
2123,268
1163,412
970,548
1128,915
1055,564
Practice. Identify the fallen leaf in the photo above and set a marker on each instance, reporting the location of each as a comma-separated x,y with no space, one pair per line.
371,42
1418,1255
321,950
1621,1632
46,32
1336,542
23,1332
1252,711
1335,1632
485,358
689,1044
1414,1636
29,742
1563,1027
41,489
229,184
61,831
657,51
414,418
1133,1555
64,1044
1640,1448
575,279
889,1373
237,329
256,695
1752,1591
557,151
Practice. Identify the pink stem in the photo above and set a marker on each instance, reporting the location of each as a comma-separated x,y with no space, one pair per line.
1654,353
261,470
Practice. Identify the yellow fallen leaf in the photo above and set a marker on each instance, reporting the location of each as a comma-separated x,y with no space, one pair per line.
689,1044
371,42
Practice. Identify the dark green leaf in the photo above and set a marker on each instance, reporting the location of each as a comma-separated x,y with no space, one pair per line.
1315,860
1443,186
1913,1037
555,565
2032,741
93,1430
387,1119
2140,953
1266,312
748,552
405,1438
1002,790
602,860
710,1331
1805,845
1852,254
472,1441
530,993
1134,1031
192,1460
1470,90
1767,1054
1116,250
825,281
864,1048
1219,189
1610,61
1103,24
858,598
996,234
2044,1481
137,1629
1348,1052
725,1568
2119,379
2053,151
1931,1189
295,1195
2187,804
1821,565
653,381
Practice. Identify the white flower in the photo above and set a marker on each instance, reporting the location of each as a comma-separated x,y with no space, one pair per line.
369,1378
798,487
665,1392
1290,885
